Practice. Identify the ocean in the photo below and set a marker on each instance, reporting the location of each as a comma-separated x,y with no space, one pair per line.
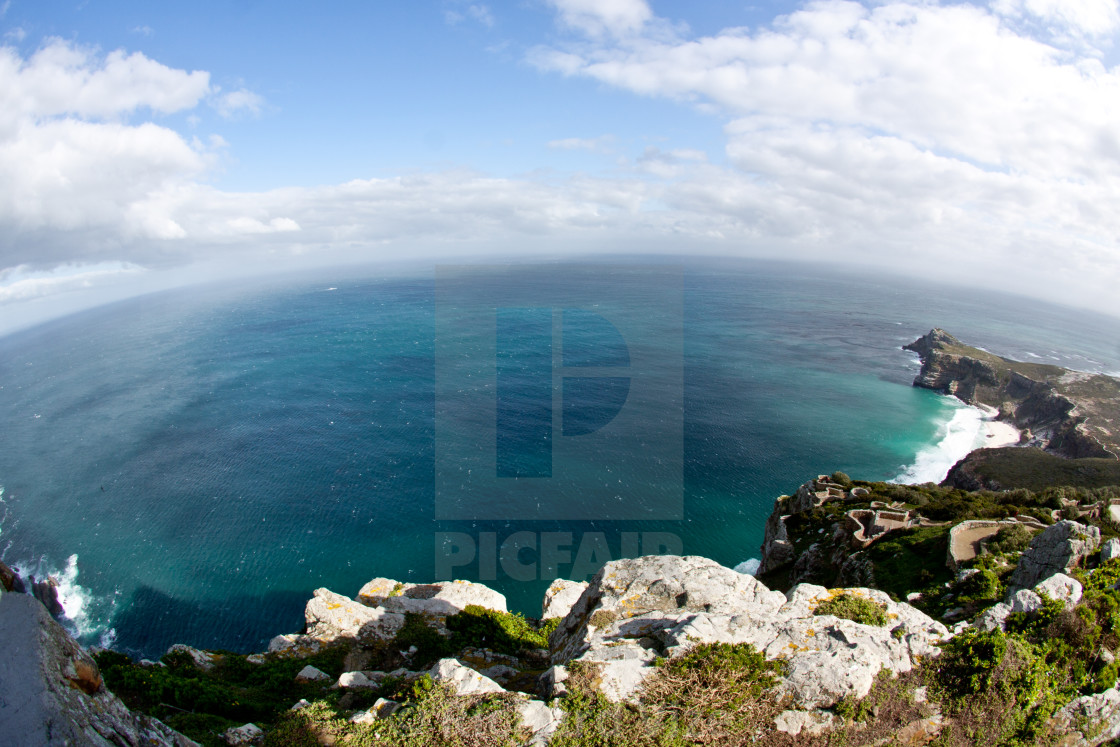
191,465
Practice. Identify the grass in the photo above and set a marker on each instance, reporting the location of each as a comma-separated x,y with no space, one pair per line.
855,608
1036,470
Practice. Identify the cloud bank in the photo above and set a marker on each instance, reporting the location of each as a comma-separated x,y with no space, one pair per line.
960,141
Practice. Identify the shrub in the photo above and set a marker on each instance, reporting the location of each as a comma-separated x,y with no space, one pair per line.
1012,538
855,608
504,632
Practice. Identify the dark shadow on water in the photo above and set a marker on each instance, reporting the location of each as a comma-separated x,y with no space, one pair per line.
153,621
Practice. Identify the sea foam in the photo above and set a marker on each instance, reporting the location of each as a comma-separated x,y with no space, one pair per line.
85,615
968,429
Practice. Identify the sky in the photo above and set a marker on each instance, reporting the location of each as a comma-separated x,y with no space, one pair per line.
144,145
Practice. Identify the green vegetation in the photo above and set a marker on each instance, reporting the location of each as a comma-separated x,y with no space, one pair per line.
1010,539
855,608
203,704
901,560
1035,469
435,717
504,632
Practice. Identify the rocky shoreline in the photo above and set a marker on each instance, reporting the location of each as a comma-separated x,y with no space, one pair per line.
1068,413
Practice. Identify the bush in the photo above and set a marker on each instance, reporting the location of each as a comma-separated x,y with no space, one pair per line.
1012,538
504,632
855,608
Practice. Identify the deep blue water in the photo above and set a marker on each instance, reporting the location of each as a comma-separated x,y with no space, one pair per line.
212,455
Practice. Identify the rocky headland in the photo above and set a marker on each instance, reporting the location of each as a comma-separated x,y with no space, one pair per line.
1068,413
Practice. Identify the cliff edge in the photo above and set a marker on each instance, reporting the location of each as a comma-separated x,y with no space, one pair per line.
1069,413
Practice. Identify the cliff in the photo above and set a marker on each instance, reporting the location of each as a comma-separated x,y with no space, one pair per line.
1069,413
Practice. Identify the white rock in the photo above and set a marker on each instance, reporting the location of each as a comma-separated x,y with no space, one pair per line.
242,735
384,708
809,722
294,645
1061,587
364,717
540,720
300,704
1025,600
360,680
204,660
657,583
438,599
1094,718
332,616
560,596
1110,550
311,674
993,618
463,679
255,658
1056,549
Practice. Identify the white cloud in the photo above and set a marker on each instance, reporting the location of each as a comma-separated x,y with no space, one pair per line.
62,78
23,283
597,17
235,102
475,11
1091,17
601,144
898,133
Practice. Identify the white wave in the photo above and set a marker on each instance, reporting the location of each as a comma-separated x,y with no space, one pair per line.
85,615
749,567
968,429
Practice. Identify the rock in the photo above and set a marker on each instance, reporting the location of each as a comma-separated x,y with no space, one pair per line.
540,720
47,593
360,680
438,599
551,683
1110,550
500,673
300,705
463,679
560,597
667,585
332,616
1025,600
51,692
1090,719
10,580
255,658
241,735
384,708
311,674
294,645
919,732
1061,587
636,610
364,717
1056,549
809,722
995,617
203,660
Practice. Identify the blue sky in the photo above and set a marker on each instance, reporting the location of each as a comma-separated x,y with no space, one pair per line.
148,144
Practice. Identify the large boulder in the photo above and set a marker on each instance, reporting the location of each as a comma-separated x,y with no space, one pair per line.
653,588
331,616
438,599
560,596
1089,720
51,691
1056,549
637,610
463,679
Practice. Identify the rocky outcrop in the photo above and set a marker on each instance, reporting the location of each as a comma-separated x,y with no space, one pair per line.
560,597
331,616
438,599
1075,414
1058,586
1057,549
636,610
1089,720
51,691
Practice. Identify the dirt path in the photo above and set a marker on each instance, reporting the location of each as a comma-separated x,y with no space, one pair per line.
966,545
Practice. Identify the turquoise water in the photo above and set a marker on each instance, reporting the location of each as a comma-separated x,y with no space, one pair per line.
212,455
